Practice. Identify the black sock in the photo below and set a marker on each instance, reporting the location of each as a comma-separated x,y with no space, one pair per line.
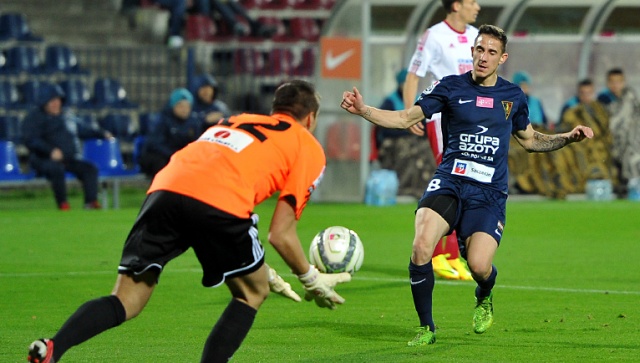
229,332
422,283
484,287
91,319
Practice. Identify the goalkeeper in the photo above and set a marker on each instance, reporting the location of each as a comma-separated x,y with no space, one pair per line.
204,199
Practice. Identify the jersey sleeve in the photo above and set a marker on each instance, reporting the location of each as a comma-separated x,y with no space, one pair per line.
520,119
304,177
427,51
433,99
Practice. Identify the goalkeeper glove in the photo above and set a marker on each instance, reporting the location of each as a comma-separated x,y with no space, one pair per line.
319,287
279,286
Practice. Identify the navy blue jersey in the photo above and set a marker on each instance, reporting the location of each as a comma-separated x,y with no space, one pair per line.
477,123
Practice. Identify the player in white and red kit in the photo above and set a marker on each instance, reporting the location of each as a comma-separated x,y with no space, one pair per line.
444,49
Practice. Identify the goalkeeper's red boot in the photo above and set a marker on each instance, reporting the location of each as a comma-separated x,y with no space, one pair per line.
41,351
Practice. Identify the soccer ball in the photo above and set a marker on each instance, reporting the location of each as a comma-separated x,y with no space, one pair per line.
336,249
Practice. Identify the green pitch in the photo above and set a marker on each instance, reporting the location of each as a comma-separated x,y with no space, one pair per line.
567,290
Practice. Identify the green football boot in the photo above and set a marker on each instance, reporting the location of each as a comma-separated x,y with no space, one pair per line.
483,314
424,336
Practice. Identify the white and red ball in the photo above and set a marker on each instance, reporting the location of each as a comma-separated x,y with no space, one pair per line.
336,249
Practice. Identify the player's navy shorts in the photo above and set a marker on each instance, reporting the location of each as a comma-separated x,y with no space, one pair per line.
480,209
169,224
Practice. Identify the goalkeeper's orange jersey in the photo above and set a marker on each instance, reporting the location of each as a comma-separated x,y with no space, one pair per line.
245,159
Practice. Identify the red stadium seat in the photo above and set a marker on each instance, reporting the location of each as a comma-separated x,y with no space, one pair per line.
307,4
250,4
200,27
305,29
303,62
282,32
273,4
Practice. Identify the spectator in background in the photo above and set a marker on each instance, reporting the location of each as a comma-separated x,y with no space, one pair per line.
399,150
623,106
537,115
52,136
206,105
178,127
231,11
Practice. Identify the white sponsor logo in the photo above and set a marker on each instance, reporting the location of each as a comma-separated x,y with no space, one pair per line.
233,139
479,143
416,282
332,62
479,172
460,101
484,129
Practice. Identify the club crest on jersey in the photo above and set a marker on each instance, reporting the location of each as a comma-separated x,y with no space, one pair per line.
430,89
460,168
507,106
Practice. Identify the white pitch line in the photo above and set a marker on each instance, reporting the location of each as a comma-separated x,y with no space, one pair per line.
356,278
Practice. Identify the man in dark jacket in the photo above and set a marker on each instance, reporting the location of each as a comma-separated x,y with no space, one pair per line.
206,105
178,127
53,139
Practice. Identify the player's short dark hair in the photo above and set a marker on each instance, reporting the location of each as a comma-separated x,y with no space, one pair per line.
615,72
585,82
448,4
495,32
297,98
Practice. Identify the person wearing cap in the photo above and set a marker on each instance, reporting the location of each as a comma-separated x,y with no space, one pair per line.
537,115
402,151
52,136
178,127
206,105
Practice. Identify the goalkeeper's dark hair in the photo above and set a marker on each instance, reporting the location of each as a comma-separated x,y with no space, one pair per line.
495,32
297,98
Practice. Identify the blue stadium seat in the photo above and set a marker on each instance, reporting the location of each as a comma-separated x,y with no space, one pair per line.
107,156
30,91
10,128
9,165
14,26
108,93
147,121
119,125
76,93
23,59
9,95
60,59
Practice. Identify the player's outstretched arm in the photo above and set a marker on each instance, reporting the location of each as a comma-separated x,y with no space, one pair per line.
353,102
534,141
409,92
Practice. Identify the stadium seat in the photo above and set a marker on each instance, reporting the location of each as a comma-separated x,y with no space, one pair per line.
108,93
250,4
147,121
119,125
107,156
9,164
14,26
200,27
76,93
30,91
328,4
10,128
303,62
277,62
273,4
23,59
9,96
247,61
60,59
305,29
307,4
282,32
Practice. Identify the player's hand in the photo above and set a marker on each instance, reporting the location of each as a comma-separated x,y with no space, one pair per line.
319,287
417,129
353,102
580,133
279,286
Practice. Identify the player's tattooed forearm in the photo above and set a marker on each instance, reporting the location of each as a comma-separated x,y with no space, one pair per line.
543,142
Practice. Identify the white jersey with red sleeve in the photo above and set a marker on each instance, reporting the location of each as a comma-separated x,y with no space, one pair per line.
442,51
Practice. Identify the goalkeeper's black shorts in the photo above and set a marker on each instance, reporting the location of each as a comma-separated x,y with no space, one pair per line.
169,223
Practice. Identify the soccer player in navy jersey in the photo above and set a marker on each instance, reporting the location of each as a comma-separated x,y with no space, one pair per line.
468,192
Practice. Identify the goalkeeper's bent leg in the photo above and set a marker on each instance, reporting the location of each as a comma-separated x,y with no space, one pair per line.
229,332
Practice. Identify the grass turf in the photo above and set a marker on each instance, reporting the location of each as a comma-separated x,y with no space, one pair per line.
567,289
